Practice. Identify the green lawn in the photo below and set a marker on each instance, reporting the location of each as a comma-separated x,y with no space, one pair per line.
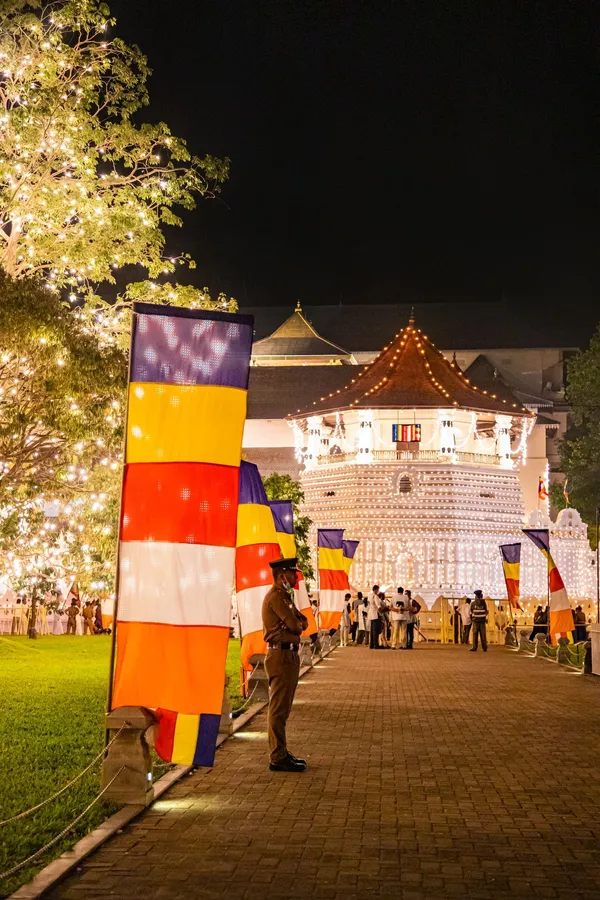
52,699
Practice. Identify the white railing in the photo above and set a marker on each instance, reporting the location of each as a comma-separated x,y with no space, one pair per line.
485,459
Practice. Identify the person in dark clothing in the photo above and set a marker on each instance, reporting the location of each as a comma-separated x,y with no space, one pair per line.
479,614
580,625
540,623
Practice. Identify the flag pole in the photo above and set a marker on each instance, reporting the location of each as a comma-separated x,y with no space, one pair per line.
113,644
597,569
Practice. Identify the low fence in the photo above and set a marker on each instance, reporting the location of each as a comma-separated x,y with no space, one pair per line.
574,656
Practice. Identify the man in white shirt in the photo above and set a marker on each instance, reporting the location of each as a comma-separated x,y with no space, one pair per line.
373,618
464,611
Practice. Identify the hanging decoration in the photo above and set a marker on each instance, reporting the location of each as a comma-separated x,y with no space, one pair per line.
186,412
333,578
256,547
561,616
283,516
511,565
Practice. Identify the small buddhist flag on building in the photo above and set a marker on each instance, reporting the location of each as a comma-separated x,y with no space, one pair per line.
511,564
542,489
566,491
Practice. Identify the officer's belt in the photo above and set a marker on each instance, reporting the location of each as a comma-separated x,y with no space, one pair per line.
283,645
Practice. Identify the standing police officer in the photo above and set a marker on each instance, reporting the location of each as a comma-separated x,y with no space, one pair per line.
282,626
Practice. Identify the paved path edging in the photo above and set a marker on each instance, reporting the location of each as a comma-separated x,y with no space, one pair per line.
59,868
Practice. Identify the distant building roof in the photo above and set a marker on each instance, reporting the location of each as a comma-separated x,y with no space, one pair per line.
296,337
457,326
277,391
486,376
411,372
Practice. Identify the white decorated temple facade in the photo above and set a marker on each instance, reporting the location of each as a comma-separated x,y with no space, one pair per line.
430,473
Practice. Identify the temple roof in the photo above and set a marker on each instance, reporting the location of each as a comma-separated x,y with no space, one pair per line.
484,374
297,337
412,373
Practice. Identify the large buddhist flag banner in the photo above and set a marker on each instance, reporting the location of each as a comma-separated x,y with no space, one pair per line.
257,546
511,565
349,549
333,579
283,516
186,412
561,617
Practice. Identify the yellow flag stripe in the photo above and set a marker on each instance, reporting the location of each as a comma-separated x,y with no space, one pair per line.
331,559
185,739
175,423
255,525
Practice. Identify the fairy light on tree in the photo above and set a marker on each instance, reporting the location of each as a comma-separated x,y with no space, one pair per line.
83,190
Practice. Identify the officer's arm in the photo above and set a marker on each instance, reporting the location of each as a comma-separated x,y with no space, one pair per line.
286,614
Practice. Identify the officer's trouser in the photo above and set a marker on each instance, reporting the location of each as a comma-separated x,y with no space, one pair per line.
282,667
88,625
71,626
479,632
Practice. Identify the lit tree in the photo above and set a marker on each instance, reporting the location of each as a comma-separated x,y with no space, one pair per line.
84,190
580,449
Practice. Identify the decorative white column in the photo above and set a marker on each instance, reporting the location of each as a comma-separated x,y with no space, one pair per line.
447,439
313,447
324,434
502,431
365,436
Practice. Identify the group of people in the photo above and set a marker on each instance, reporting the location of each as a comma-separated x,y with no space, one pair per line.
541,620
473,617
89,614
378,622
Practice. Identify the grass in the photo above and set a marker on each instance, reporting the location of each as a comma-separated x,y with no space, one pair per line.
52,696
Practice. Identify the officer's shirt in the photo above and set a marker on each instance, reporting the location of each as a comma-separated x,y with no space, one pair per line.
280,617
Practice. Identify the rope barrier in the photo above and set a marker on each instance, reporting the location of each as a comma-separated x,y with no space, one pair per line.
244,705
64,832
33,809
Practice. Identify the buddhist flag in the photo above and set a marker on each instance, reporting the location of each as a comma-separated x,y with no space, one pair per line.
333,578
566,491
561,617
349,549
542,489
283,516
511,564
186,412
257,546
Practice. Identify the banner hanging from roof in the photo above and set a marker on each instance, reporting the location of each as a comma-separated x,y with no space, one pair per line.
333,578
561,616
257,546
283,516
349,549
511,566
186,412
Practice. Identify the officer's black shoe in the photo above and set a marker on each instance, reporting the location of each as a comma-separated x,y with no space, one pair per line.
296,759
288,765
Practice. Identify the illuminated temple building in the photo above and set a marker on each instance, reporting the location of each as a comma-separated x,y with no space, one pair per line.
430,467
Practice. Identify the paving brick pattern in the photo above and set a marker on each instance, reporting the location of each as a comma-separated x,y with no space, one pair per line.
436,773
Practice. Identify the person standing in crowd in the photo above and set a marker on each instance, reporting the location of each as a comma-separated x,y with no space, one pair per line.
282,626
72,613
345,622
98,616
580,625
501,620
479,615
356,604
384,618
414,608
88,618
373,618
363,622
539,623
464,611
398,625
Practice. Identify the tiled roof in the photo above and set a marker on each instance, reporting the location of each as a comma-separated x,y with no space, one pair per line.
276,391
412,373
296,337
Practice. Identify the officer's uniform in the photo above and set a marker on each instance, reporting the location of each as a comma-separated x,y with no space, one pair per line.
282,626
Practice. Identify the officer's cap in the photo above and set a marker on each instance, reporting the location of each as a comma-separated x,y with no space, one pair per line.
278,565
478,594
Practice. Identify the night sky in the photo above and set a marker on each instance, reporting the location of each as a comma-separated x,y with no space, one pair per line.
386,151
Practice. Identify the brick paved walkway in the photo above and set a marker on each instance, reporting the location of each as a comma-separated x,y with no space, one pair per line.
433,774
